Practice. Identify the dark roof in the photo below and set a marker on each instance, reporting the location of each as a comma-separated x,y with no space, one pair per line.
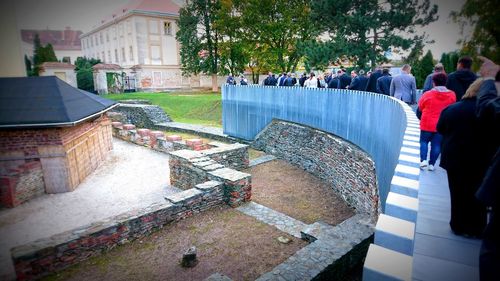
46,102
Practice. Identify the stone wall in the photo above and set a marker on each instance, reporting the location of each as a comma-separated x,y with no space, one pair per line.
21,184
143,115
349,170
55,253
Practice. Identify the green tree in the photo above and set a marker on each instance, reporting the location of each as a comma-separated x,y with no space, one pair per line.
41,54
364,29
482,17
449,61
27,65
200,48
84,73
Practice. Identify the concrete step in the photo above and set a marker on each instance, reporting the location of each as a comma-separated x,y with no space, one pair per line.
395,234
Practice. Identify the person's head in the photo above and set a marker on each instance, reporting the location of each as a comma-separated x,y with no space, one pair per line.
270,73
473,89
311,75
339,72
385,71
305,74
439,79
406,68
367,74
464,63
353,74
289,74
439,67
361,72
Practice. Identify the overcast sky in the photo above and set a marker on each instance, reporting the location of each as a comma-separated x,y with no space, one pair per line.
84,14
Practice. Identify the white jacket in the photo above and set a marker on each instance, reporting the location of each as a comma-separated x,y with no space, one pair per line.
311,83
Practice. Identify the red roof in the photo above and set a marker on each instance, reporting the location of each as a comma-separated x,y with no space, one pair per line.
67,39
57,65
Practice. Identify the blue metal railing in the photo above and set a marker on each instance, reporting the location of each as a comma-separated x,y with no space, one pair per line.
374,122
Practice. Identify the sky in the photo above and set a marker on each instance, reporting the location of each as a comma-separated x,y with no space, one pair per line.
84,14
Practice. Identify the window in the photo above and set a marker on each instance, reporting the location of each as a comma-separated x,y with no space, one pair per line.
107,36
116,56
153,27
66,59
96,40
123,55
167,28
91,41
114,32
101,38
109,57
155,54
131,53
129,27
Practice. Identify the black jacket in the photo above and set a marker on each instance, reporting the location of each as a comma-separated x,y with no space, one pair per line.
359,83
459,81
466,146
384,84
371,86
345,80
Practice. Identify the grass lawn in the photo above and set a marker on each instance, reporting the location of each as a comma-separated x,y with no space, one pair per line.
201,107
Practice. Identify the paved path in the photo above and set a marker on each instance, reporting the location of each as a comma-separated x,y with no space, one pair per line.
279,220
131,177
261,160
438,253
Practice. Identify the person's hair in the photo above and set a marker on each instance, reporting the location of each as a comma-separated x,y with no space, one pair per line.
312,74
406,67
439,79
385,70
466,62
473,89
439,67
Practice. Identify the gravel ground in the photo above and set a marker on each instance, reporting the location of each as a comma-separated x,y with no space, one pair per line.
131,177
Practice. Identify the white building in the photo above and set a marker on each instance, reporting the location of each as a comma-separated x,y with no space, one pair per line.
140,38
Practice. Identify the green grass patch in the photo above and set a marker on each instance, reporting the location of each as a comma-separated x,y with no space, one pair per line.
200,107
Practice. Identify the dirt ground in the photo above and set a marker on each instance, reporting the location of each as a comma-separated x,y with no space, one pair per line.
293,191
227,241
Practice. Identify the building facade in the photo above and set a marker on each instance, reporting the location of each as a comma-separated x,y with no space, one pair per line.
140,38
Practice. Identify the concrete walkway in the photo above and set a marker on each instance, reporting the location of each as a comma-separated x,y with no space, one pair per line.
131,177
438,253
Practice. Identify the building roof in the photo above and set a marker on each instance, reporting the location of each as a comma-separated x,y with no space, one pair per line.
148,7
57,65
61,40
46,102
109,66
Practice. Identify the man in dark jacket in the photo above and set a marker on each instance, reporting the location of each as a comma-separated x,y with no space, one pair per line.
371,86
461,79
334,82
438,68
359,82
488,110
344,80
384,83
302,79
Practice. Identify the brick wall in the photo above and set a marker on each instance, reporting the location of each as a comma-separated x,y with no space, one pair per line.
45,256
349,170
66,156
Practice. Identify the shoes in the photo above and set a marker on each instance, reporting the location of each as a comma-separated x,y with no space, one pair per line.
423,164
431,168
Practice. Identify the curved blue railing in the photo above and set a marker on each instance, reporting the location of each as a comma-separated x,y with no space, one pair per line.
374,122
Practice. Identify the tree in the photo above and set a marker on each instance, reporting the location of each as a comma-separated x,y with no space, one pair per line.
482,17
449,61
200,48
27,65
364,29
41,54
84,73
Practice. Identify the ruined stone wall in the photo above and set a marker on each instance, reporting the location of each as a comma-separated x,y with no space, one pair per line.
143,115
20,184
55,253
349,170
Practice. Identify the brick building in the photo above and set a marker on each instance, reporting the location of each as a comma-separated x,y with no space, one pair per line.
52,136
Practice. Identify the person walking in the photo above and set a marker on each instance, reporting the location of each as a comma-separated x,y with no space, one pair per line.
344,80
403,86
461,79
466,153
431,104
359,82
312,82
428,80
384,83
371,86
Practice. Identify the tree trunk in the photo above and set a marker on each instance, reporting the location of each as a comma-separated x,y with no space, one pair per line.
215,87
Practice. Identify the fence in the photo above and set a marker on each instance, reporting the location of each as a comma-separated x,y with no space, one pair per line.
374,122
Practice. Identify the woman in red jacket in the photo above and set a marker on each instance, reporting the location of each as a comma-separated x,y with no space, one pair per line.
431,104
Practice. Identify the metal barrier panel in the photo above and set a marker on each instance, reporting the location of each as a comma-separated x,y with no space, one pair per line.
374,122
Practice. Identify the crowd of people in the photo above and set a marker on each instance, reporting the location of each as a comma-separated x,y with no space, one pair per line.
460,118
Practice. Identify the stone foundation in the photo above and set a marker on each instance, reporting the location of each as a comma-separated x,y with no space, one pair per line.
349,170
55,253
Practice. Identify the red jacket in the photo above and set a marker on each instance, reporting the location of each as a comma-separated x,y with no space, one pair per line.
431,104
